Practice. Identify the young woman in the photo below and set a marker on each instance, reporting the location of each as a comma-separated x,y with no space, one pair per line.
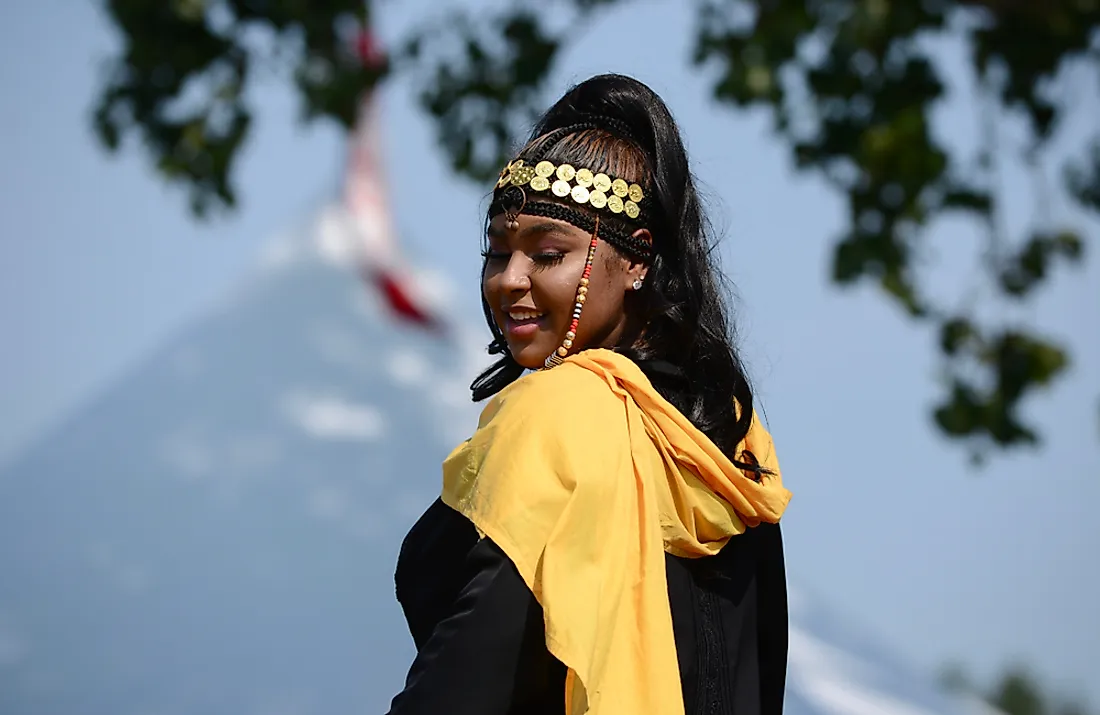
606,541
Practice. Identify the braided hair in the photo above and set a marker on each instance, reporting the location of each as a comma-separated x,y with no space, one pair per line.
592,143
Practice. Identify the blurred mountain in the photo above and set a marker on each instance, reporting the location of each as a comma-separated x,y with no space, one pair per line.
217,532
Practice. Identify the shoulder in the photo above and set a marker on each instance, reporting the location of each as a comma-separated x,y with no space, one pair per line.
548,438
552,426
564,396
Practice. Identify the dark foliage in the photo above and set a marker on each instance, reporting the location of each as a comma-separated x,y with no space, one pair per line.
851,85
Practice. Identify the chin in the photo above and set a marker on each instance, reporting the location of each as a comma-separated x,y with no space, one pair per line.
530,355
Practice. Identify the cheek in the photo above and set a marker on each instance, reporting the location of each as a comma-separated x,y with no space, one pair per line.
490,285
556,288
603,310
600,310
490,292
486,285
606,294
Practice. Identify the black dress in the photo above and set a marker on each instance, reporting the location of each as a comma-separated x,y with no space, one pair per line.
481,646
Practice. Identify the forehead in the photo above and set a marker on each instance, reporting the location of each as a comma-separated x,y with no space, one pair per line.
533,228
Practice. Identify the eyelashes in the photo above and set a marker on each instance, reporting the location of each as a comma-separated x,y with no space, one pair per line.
541,260
546,260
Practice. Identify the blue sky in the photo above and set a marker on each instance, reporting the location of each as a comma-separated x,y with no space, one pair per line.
100,262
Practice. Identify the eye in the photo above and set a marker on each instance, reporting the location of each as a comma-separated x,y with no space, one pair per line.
545,260
495,256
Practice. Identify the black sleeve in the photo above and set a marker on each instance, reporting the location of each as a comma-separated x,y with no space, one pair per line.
773,623
489,655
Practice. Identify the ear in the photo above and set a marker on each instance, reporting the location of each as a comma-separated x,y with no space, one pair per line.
635,271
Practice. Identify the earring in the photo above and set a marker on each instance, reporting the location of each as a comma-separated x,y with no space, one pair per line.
514,199
637,284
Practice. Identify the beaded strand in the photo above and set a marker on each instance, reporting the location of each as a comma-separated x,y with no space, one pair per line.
558,356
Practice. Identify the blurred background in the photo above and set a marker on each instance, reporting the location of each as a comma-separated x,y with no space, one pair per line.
240,314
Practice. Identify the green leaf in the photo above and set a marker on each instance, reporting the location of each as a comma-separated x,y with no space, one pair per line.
962,414
955,334
1083,178
1018,694
968,199
1029,267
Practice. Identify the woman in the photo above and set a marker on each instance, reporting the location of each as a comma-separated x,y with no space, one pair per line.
606,542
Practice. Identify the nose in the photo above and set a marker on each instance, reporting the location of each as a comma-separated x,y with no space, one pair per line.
516,276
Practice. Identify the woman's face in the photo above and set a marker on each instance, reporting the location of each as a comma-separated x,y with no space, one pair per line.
530,281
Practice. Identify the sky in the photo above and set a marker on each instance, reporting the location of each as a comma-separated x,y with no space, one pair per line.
100,263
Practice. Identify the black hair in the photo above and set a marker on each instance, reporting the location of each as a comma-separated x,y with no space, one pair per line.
618,125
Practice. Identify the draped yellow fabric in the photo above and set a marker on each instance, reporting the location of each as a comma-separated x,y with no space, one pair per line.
584,476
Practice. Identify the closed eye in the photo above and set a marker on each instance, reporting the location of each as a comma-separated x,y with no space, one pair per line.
541,260
545,260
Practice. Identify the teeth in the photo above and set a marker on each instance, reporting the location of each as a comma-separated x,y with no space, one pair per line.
524,315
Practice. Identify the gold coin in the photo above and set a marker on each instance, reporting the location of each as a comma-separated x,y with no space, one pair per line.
560,188
615,204
540,183
636,194
584,178
619,187
597,199
580,194
631,209
566,172
522,175
545,169
602,182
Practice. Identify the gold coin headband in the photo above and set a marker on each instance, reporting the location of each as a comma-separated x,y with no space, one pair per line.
584,187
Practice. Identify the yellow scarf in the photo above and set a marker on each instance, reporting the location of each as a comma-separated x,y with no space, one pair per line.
584,475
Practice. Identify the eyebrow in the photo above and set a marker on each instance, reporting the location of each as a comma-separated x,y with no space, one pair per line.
543,227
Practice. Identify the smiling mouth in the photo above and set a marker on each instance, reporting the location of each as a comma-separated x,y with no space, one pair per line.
524,317
524,324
